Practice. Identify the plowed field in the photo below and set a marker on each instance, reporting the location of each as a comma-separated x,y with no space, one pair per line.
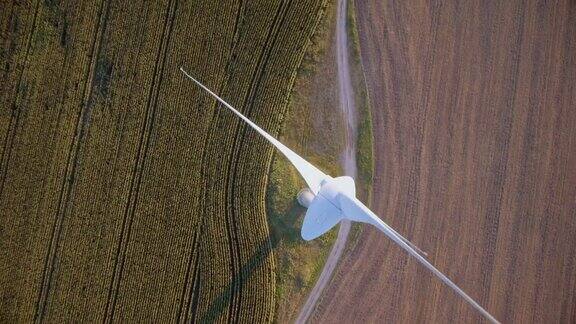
474,111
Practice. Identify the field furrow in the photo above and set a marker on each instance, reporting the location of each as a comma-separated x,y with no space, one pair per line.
82,120
10,109
238,273
140,158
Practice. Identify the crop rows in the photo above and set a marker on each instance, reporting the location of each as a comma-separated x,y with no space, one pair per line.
126,194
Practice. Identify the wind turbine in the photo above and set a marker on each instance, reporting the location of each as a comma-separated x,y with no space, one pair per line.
334,199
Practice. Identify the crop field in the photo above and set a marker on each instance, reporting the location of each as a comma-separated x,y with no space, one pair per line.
126,194
473,106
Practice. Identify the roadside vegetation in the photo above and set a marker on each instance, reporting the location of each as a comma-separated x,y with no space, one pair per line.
364,145
365,152
314,129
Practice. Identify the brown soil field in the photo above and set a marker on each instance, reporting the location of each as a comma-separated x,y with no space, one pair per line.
474,113
122,185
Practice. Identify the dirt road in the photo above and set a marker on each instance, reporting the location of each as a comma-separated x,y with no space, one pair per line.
475,148
346,95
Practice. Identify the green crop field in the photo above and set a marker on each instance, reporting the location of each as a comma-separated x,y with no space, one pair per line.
126,194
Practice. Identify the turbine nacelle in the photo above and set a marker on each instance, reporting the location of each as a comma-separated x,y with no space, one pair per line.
324,212
305,197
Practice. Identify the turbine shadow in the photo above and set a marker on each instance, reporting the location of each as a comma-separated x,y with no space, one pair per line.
284,228
222,302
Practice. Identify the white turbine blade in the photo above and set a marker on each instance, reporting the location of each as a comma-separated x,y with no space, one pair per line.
356,210
310,173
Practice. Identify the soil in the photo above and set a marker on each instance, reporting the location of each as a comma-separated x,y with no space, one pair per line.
475,162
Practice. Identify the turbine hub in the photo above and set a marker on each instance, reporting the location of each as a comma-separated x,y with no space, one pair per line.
305,197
